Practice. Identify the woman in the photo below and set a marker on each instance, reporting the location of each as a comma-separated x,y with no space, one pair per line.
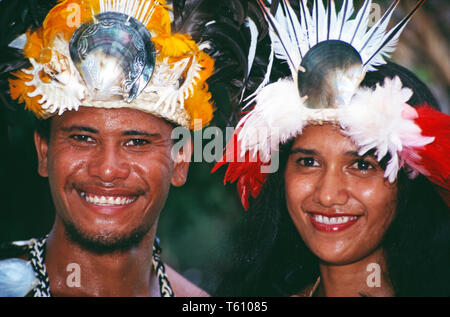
357,205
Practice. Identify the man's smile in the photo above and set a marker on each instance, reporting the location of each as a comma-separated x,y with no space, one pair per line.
107,200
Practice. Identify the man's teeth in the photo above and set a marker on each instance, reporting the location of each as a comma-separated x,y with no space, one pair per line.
107,200
333,220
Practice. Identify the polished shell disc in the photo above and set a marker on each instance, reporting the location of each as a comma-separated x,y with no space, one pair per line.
114,55
331,74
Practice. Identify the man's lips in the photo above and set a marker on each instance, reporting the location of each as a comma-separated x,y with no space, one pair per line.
108,197
107,200
332,222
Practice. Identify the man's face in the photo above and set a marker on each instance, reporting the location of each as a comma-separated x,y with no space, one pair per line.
109,171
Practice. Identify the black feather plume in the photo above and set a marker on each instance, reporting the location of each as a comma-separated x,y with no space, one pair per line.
223,25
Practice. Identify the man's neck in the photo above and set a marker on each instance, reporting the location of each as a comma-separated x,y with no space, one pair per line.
75,271
363,278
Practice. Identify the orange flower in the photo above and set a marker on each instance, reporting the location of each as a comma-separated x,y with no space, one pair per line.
177,45
19,91
34,44
199,106
66,16
160,22
207,63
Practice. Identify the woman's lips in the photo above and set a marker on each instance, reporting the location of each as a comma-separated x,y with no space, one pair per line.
332,223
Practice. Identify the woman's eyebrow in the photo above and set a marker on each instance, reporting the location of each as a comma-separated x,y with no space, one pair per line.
304,151
356,154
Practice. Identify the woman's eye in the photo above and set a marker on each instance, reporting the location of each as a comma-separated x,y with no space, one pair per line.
362,165
137,142
307,161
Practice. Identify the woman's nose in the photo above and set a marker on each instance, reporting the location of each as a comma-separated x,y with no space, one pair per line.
331,188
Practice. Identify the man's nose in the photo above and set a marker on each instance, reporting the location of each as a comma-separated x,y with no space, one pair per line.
109,163
331,188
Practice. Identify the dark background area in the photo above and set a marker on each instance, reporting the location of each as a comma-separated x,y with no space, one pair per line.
200,219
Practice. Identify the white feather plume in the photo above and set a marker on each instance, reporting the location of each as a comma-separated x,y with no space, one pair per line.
266,126
294,33
252,50
283,43
140,10
373,40
343,18
374,121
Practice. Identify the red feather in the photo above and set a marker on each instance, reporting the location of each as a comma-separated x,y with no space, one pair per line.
246,170
435,157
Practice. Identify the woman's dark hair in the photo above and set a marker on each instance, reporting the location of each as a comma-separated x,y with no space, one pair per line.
271,259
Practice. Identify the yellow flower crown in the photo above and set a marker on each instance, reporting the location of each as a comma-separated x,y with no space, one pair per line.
177,90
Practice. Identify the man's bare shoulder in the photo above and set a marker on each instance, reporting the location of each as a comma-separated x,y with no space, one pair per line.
183,287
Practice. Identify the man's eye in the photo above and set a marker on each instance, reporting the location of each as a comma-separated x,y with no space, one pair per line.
307,161
82,138
137,142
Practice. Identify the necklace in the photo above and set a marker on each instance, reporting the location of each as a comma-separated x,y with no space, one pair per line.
314,288
36,249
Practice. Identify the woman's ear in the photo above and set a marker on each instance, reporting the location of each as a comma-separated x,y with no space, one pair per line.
181,159
41,145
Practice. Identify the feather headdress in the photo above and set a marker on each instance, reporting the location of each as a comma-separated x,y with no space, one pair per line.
328,54
112,53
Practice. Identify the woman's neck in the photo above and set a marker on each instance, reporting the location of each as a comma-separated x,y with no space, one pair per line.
367,277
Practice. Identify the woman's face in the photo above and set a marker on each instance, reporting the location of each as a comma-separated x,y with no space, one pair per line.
339,201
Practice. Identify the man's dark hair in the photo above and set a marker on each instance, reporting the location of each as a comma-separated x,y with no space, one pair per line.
43,128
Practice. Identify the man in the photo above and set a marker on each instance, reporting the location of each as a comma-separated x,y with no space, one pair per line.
112,80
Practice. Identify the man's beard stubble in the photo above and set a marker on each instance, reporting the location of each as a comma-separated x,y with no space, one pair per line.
106,242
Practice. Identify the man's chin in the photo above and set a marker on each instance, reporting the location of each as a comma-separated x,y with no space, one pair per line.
106,242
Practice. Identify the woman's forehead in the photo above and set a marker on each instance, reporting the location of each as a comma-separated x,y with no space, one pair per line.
326,136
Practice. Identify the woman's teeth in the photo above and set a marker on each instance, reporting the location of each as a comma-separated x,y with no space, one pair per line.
333,220
107,200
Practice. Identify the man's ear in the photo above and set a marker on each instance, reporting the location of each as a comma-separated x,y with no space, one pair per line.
181,164
41,144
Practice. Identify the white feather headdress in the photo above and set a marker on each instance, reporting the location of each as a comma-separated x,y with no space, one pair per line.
337,48
280,107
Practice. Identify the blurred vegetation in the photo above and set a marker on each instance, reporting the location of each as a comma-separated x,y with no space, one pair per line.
200,219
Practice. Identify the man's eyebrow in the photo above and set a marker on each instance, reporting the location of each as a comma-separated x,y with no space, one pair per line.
141,133
79,128
304,151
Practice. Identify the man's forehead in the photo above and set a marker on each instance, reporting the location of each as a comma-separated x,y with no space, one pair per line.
101,120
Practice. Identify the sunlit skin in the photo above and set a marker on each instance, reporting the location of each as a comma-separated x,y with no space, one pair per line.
325,175
122,153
